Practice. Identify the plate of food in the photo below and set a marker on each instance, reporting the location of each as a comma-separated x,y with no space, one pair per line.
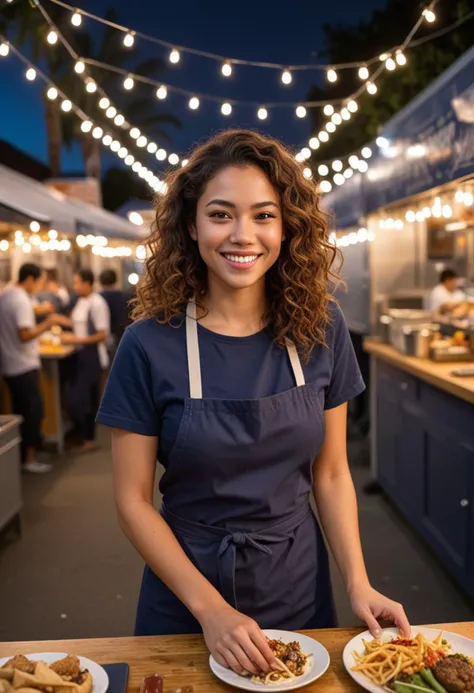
429,662
302,661
51,672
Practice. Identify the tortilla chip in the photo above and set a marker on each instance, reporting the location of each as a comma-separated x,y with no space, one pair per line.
45,676
6,674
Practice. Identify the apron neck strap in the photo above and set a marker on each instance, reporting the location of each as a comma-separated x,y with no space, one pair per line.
194,361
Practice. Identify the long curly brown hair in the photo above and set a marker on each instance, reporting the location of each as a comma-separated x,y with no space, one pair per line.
297,284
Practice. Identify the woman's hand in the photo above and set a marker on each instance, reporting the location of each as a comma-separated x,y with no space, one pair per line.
236,641
369,605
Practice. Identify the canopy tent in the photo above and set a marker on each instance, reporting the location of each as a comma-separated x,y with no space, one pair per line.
66,214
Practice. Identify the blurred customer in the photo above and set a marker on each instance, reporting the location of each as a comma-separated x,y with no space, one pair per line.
54,292
117,301
20,359
90,322
447,295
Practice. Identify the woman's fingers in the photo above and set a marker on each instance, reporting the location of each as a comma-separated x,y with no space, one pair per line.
260,641
372,624
220,659
402,621
241,656
231,662
256,656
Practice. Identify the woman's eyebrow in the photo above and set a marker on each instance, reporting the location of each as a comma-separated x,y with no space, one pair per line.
230,205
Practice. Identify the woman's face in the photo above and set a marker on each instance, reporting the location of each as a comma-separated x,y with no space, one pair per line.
239,228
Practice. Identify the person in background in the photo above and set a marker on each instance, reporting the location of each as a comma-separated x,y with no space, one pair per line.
54,292
20,360
447,295
117,302
90,322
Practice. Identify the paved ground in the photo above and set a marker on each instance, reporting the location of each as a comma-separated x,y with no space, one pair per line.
73,574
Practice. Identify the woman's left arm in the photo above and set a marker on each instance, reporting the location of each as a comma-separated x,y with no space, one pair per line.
337,508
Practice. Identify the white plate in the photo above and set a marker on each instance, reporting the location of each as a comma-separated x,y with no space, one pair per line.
317,665
99,675
458,643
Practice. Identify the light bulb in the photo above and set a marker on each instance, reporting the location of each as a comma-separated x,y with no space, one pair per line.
426,212
447,211
307,173
345,114
366,152
122,152
336,118
142,141
226,109
107,140
330,127
459,196
115,146
119,120
135,133
323,136
339,179
429,15
162,93
91,86
325,186
383,57
337,165
332,75
352,106
128,83
52,38
314,143
79,67
419,216
97,133
184,162
468,199
34,226
129,159
104,103
27,248
4,245
226,69
174,56
299,157
262,113
363,73
133,278
66,106
86,126
306,152
152,147
4,49
76,19
323,170
400,58
111,112
390,64
328,109
410,216
371,88
363,166
136,167
194,103
52,93
301,112
348,173
30,74
161,154
128,40
354,161
52,234
286,77
173,159
382,142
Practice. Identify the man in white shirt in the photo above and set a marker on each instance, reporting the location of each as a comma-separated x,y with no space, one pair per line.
90,322
20,360
446,295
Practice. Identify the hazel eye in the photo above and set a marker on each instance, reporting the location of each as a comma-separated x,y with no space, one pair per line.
219,215
265,215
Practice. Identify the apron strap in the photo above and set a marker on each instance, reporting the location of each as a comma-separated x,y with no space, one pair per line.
192,345
295,363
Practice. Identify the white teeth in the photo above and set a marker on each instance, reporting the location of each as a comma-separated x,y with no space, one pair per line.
240,258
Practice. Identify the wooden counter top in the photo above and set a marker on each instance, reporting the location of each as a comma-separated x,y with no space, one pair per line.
55,352
183,660
437,374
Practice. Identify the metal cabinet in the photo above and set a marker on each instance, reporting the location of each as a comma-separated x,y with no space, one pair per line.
425,464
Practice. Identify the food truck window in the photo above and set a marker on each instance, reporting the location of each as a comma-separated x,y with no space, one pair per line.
441,243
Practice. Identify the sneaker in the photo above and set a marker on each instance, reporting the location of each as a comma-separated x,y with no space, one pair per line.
37,467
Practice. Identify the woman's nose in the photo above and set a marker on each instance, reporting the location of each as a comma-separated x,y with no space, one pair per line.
243,232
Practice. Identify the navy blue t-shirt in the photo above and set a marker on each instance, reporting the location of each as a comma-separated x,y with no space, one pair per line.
149,382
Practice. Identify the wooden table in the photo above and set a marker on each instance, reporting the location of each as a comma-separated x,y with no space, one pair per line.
183,660
53,421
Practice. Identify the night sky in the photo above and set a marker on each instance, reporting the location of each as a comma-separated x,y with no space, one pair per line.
263,30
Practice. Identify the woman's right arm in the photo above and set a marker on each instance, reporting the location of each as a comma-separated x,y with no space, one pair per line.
235,640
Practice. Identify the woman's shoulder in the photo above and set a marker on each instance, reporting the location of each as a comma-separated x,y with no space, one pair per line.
152,333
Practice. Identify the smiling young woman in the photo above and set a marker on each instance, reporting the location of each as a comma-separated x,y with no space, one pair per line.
236,374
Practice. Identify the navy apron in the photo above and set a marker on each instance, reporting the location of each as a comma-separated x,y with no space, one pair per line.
240,475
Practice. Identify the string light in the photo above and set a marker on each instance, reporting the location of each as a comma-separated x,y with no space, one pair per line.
52,93
299,158
34,227
226,109
323,136
76,19
115,146
136,167
301,112
86,126
129,160
119,120
142,141
371,88
97,133
323,170
262,113
79,67
128,40
174,56
314,143
352,106
363,166
354,161
325,186
122,152
104,103
366,152
4,49
330,127
226,69
111,112
194,103
91,86
161,154
401,58
173,159
30,74
429,15
128,83
306,153
52,38
348,173
336,118
286,77
107,141
331,75
384,57
162,93
66,106
337,165
52,234
135,133
328,110
152,147
307,173
364,73
390,64
339,179
184,162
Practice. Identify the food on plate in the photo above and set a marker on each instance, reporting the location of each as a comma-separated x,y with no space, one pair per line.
291,659
416,665
21,675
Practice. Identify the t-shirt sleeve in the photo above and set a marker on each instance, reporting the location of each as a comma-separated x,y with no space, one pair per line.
100,315
127,402
24,313
346,380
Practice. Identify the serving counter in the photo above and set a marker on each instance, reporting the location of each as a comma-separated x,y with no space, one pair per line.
183,660
422,451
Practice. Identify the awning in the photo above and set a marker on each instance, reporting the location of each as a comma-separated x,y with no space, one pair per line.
62,213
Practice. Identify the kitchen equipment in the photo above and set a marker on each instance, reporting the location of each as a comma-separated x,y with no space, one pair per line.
416,340
401,318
